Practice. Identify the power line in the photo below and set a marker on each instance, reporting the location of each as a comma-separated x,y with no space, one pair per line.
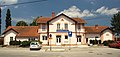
23,3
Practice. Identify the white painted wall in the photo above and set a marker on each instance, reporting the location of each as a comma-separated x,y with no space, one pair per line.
92,37
107,35
41,39
9,34
53,27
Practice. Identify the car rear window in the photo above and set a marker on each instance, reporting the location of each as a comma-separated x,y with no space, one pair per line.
33,43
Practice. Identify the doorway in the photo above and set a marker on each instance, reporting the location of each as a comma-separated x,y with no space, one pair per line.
58,40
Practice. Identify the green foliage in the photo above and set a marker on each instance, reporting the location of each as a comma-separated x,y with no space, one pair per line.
25,44
106,43
115,22
21,23
15,42
8,18
34,23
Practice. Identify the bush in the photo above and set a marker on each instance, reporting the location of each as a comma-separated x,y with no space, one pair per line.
25,44
15,42
106,43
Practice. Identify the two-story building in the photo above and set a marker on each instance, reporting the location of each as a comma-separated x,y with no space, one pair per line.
58,27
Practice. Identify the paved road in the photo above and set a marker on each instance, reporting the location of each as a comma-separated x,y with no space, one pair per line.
74,52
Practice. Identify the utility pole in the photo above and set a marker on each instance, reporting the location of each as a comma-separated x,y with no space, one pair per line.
0,20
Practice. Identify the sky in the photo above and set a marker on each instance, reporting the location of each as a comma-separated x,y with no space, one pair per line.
93,11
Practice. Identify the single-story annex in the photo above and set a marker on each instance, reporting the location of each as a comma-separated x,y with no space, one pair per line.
58,27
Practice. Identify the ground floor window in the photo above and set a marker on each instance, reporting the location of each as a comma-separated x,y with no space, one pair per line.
66,37
31,39
95,42
78,38
11,38
58,39
44,37
86,40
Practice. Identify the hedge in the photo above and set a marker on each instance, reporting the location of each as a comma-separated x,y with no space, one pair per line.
106,43
25,44
15,42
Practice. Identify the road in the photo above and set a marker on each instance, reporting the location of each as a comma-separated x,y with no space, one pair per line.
74,52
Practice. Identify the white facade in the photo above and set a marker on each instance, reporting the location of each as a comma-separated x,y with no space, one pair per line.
58,27
11,34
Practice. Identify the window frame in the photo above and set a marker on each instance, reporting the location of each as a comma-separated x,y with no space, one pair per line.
66,26
66,36
43,27
44,37
58,26
11,39
79,27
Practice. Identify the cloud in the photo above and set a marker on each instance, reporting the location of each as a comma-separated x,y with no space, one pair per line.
22,19
76,12
7,2
16,7
104,10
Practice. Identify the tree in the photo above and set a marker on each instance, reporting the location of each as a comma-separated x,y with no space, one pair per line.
8,18
115,22
21,23
34,22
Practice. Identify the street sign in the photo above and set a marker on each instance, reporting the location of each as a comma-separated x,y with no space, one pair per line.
70,33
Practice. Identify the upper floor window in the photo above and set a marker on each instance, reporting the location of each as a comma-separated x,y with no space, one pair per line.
43,27
79,27
66,26
58,26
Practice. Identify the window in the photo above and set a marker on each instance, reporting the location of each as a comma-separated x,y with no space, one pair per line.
43,27
78,26
107,34
66,37
31,39
11,38
44,37
78,38
66,26
58,26
86,40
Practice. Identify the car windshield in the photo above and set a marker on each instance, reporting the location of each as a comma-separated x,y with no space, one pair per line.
33,43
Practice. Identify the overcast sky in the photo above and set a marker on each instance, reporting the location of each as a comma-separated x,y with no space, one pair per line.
93,11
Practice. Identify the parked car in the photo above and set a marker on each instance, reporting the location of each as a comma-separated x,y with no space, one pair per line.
115,45
35,45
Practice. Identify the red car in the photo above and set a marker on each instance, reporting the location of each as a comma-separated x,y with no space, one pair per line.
115,45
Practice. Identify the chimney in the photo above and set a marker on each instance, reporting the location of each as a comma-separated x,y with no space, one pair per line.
53,14
40,16
96,26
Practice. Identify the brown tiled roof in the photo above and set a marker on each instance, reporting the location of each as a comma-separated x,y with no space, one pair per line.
79,20
45,20
93,29
24,31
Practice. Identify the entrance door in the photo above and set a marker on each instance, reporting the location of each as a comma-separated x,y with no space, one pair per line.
58,40
78,39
